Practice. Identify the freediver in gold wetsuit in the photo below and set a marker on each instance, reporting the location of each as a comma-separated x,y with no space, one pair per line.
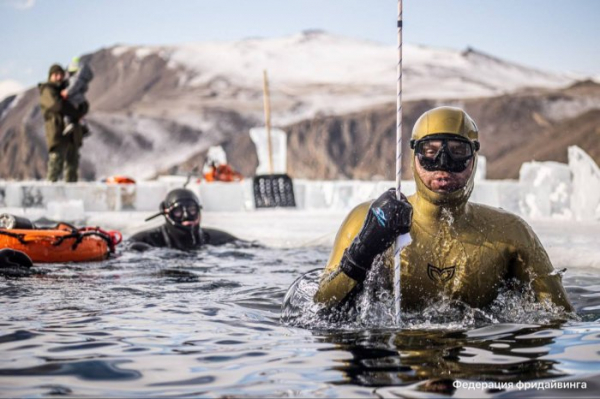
459,250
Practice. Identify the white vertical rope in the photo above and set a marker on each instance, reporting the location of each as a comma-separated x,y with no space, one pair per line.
398,247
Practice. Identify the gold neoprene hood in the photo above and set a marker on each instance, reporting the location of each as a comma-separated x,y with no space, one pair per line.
445,120
452,121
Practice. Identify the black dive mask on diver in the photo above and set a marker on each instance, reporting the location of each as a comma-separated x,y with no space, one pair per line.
183,211
444,152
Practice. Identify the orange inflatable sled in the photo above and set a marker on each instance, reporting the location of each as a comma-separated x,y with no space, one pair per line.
63,243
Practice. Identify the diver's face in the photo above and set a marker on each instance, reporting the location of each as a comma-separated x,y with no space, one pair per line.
443,182
185,213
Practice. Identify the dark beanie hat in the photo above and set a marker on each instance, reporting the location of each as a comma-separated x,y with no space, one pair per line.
55,69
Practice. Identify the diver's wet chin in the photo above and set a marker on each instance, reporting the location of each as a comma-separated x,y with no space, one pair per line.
445,185
190,223
447,189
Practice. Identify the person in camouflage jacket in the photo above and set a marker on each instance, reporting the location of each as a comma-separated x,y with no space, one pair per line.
63,151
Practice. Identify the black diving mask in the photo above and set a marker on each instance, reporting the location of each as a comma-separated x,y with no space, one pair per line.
445,153
183,211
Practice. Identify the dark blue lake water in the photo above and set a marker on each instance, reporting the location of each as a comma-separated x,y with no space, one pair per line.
165,323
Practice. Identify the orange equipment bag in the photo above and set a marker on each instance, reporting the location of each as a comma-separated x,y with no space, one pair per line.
223,173
64,243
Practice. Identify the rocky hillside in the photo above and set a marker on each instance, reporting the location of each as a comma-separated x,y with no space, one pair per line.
158,109
530,125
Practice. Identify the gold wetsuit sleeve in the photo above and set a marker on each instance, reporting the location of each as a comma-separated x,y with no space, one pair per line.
335,285
532,265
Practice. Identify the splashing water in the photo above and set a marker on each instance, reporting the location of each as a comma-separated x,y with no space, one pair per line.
373,308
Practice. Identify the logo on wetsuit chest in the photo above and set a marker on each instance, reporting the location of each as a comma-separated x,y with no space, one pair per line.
442,275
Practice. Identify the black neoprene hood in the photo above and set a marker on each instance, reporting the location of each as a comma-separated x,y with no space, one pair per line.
179,195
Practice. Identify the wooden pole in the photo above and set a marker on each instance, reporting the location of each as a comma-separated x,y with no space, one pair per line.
267,106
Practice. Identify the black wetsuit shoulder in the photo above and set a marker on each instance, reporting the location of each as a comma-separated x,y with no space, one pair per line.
154,237
217,237
161,237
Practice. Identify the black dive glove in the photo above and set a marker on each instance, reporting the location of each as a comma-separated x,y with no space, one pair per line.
386,220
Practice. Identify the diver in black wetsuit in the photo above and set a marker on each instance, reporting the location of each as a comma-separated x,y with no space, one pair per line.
14,263
181,209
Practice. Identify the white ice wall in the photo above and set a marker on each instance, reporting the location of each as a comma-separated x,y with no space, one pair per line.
545,190
278,147
222,197
585,197
481,171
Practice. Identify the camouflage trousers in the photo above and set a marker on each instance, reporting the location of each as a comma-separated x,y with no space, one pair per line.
63,157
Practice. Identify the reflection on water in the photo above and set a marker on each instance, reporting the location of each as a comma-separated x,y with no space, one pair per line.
165,323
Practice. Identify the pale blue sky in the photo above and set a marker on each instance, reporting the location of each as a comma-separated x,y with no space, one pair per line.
558,35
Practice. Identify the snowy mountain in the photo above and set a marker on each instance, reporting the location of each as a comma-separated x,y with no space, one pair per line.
9,87
536,125
312,71
156,107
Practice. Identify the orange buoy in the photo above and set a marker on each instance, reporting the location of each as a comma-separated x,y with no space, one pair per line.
119,180
61,244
